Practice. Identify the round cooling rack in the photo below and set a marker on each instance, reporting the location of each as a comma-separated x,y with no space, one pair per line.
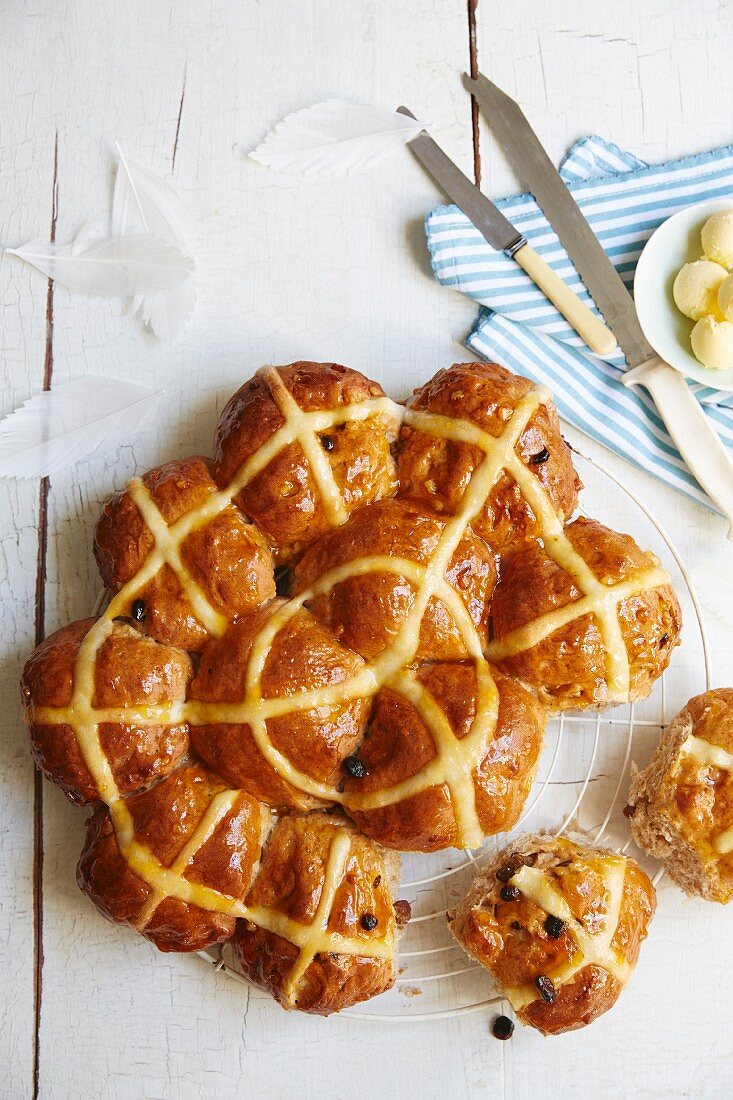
581,786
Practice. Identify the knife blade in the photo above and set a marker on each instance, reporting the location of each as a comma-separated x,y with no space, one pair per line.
503,236
683,415
488,219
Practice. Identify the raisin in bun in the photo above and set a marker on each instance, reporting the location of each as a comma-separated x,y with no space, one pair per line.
681,805
440,450
589,620
110,674
558,925
172,862
447,759
323,923
173,516
308,444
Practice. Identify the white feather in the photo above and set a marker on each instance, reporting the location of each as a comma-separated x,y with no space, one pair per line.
143,202
118,267
334,138
60,427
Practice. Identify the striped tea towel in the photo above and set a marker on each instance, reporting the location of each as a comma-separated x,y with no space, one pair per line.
624,200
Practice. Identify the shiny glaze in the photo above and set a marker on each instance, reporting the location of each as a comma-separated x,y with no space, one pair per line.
366,611
304,656
226,557
131,674
569,668
291,881
510,939
165,818
437,471
285,499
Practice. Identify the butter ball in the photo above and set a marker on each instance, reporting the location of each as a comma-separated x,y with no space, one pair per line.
712,343
717,238
695,289
725,299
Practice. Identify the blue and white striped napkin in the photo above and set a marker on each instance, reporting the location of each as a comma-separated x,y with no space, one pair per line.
624,200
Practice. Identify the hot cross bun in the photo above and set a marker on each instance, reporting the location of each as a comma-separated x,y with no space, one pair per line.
588,620
323,922
305,445
424,626
558,925
451,420
105,703
173,861
681,805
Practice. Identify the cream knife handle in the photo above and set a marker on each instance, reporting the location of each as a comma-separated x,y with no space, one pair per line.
705,455
589,327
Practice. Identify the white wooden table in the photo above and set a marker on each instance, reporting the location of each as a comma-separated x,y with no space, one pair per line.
288,270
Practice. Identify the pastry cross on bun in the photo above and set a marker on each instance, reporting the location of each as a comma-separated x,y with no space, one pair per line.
681,805
322,927
304,446
394,540
173,861
188,559
450,423
104,708
444,762
587,620
244,706
559,926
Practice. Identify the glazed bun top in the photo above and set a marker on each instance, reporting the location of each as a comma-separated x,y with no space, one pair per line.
382,553
189,561
586,620
111,713
442,445
323,922
305,445
559,924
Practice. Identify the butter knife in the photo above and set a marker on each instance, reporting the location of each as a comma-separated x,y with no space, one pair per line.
504,237
686,422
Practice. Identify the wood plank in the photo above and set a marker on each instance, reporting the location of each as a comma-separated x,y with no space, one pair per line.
287,270
26,178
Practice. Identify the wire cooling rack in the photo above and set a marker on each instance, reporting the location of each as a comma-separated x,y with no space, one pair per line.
582,784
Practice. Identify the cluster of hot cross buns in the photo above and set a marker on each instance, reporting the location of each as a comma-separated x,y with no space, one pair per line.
338,639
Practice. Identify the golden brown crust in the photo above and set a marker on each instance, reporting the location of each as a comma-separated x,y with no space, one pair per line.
290,882
165,819
398,744
284,498
399,725
226,556
508,932
437,471
130,671
591,993
304,655
681,804
568,669
366,612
